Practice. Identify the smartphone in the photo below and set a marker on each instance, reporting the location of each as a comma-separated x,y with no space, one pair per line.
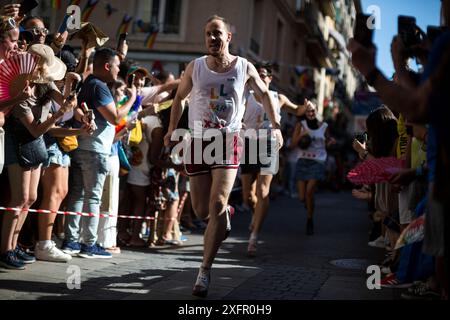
89,113
131,80
405,23
63,27
75,89
122,38
408,31
26,6
362,33
361,137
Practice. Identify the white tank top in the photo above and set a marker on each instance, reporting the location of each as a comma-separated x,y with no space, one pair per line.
217,99
255,116
316,150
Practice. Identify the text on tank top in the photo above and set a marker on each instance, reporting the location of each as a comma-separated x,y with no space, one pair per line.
255,116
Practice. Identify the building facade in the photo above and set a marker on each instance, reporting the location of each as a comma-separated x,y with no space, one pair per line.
300,37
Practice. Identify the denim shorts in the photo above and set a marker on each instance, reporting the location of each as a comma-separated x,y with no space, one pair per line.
170,186
309,170
56,156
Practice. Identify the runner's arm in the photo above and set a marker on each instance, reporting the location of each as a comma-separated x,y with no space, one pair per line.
298,110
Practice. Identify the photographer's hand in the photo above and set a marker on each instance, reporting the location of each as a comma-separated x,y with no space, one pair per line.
359,147
11,10
398,54
363,58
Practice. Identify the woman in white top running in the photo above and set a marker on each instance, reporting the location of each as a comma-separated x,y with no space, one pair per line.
312,137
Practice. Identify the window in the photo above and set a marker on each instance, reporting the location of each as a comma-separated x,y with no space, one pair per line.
257,26
172,16
166,13
298,6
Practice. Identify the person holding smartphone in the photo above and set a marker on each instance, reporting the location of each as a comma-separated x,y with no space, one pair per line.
424,103
36,26
90,161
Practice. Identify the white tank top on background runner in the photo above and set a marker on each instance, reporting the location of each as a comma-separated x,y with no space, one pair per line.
217,99
316,150
255,116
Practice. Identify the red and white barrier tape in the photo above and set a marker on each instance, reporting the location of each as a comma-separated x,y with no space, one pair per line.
82,214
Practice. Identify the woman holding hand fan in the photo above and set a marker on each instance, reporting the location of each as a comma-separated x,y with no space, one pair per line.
9,36
25,149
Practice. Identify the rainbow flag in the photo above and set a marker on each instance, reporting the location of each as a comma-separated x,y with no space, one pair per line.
142,26
124,25
151,39
74,2
56,4
87,11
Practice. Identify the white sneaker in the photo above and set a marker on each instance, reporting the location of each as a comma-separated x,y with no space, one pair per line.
51,253
252,247
202,284
378,243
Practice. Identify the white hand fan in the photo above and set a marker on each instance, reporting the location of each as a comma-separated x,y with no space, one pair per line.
14,72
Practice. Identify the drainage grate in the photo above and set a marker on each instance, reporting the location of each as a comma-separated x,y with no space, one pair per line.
354,264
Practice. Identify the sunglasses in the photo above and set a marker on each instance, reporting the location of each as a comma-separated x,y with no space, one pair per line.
37,31
8,24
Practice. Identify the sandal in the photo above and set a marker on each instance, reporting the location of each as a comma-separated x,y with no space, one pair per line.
113,250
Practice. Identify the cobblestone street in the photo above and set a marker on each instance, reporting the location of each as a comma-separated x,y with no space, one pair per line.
289,265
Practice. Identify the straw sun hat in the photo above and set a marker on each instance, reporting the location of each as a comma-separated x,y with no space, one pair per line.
50,68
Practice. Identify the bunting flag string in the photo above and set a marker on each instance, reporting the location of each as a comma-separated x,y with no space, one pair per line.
139,25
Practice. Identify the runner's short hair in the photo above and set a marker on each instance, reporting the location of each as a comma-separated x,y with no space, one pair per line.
264,65
225,21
